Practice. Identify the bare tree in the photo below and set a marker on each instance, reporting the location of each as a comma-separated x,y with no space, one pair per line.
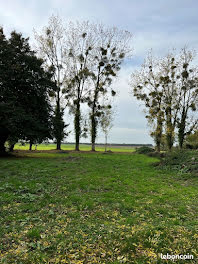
95,56
180,82
106,122
188,101
168,81
51,43
168,88
111,48
145,84
80,43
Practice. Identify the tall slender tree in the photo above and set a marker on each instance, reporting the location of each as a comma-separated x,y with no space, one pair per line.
188,101
180,82
168,82
80,42
106,122
111,47
51,43
146,87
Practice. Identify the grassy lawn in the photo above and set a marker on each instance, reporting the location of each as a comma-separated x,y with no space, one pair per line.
83,147
95,208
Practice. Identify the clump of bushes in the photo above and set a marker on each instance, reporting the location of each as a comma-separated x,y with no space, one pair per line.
156,154
144,150
175,158
191,145
192,141
150,152
182,160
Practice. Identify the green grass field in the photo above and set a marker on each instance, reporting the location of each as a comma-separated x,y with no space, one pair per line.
95,208
83,147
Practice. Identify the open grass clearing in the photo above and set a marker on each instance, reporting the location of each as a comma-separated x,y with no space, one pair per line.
94,208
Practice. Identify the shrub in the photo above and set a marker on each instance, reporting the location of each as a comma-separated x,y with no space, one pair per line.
156,154
182,160
144,150
192,141
192,145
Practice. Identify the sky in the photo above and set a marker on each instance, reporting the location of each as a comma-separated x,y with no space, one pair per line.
160,25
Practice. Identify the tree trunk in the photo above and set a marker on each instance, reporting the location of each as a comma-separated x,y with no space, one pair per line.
11,148
3,138
2,147
93,132
181,131
169,129
30,147
93,146
169,140
158,133
58,144
181,135
58,137
158,147
105,142
77,126
93,120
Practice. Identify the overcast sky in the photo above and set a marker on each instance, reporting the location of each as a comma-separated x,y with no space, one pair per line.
160,25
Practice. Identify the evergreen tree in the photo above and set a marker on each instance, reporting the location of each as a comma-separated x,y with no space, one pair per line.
24,87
